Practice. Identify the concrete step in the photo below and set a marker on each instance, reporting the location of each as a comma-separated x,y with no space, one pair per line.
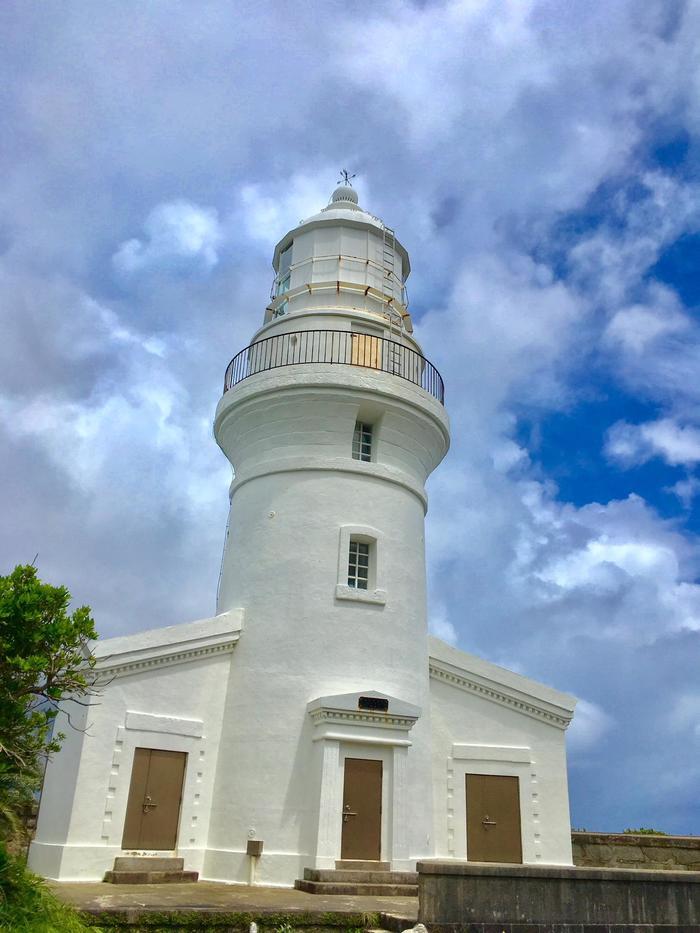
147,863
376,890
395,923
345,876
359,865
150,877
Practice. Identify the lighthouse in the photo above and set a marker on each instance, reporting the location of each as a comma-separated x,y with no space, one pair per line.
332,420
312,732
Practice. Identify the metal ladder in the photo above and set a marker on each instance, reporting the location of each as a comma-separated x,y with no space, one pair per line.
390,290
389,261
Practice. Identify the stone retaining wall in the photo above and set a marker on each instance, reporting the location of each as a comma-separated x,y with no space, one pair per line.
464,897
608,850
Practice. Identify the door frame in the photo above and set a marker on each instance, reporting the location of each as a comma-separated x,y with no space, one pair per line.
500,777
342,728
144,730
493,760
185,764
385,755
159,743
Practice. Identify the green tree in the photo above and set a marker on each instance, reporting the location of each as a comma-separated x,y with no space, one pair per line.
45,659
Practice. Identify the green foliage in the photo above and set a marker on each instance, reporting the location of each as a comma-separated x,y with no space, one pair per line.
644,831
44,658
182,920
16,801
28,906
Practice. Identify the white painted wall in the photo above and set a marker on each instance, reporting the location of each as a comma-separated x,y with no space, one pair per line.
482,731
265,754
83,806
288,434
343,258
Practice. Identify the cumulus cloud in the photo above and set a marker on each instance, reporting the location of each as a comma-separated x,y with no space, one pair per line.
615,257
588,727
269,211
440,625
632,444
177,232
685,714
525,193
686,489
637,328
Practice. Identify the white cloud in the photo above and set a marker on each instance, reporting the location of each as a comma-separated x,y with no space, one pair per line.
507,455
478,127
616,256
686,489
637,327
597,565
589,725
269,211
177,232
632,444
440,625
685,714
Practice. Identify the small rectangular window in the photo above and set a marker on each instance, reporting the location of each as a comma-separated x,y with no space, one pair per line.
283,284
358,565
362,441
285,261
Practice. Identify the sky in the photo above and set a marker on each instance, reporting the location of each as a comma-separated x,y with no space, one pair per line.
540,162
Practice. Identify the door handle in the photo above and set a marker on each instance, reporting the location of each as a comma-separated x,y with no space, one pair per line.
147,805
347,812
488,822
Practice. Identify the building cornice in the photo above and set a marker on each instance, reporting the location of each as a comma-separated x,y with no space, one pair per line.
334,380
500,693
376,720
166,647
135,665
306,464
340,719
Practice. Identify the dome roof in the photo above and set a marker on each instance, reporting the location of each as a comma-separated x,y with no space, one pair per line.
343,195
343,207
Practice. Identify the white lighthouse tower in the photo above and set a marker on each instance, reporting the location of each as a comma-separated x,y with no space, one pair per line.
312,731
332,420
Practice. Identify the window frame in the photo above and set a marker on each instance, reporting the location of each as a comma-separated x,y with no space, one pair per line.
283,277
361,430
359,556
283,284
373,538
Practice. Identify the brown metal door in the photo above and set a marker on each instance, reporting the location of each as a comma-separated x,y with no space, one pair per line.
362,810
155,792
365,350
493,818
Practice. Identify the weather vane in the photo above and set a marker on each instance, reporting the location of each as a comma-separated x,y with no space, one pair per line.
346,178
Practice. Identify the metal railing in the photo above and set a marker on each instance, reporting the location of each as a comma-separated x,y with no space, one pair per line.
346,348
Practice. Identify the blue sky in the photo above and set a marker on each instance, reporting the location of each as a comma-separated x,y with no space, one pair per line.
539,160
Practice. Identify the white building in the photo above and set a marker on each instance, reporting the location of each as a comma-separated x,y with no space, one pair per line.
314,712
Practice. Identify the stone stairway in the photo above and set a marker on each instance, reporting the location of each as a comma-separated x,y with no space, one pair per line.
355,877
149,870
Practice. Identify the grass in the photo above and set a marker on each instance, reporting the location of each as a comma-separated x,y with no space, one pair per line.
28,906
240,922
